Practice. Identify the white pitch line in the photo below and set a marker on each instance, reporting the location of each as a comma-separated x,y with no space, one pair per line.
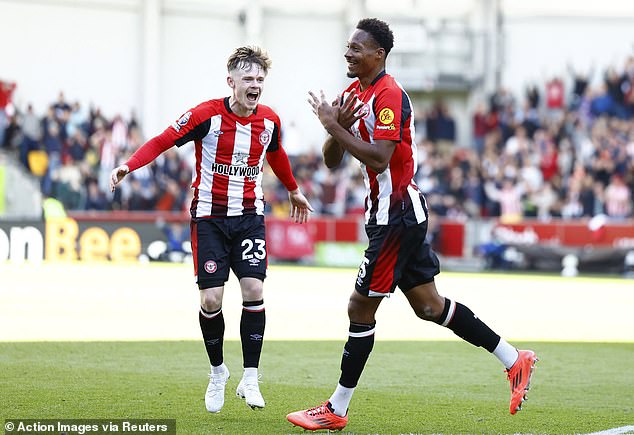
624,430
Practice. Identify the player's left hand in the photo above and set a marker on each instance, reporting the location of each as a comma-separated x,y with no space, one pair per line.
117,175
299,206
327,113
350,112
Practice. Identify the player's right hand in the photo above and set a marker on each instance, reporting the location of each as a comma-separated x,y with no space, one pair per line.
117,175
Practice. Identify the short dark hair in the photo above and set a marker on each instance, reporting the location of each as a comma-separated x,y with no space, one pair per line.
380,32
244,57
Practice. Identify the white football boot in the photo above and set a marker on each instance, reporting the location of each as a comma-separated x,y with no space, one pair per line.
215,395
249,390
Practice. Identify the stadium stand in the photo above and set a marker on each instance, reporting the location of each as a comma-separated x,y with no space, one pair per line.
565,149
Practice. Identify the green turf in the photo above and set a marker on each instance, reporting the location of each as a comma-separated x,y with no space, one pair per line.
407,387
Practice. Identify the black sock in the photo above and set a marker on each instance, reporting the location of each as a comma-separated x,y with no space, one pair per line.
252,326
212,325
355,353
467,326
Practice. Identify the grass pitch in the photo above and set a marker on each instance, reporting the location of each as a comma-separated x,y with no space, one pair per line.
407,387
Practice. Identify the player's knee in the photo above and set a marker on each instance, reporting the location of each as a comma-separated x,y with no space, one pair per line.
359,313
426,303
211,301
428,312
252,289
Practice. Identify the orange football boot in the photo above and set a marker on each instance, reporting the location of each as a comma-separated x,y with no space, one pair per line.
319,417
520,377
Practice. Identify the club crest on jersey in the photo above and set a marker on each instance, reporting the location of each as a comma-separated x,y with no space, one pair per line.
363,111
265,137
210,266
386,116
182,121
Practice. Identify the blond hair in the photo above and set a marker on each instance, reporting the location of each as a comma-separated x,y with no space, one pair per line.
245,57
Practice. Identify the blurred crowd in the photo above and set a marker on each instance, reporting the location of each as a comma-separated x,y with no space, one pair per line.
563,149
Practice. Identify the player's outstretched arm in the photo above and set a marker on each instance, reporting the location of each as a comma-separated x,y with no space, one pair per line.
117,175
300,207
142,156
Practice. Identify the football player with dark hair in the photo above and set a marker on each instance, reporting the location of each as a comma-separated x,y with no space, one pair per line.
373,120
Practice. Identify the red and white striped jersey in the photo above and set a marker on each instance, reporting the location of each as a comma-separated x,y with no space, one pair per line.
392,196
230,153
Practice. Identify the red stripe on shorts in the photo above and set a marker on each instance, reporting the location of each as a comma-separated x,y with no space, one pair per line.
383,273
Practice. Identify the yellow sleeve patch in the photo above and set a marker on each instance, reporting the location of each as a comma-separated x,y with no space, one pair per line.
386,116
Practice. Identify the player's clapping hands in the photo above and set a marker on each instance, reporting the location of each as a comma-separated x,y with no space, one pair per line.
345,115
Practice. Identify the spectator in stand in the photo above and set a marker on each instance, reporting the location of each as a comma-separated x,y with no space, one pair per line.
171,197
97,119
500,100
69,184
355,202
591,197
61,106
627,84
6,92
518,143
529,173
528,117
548,163
532,96
572,208
77,121
13,133
446,125
507,121
140,197
480,127
473,193
555,96
603,166
509,196
580,86
565,159
618,198
544,199
77,145
95,198
53,145
31,134
441,128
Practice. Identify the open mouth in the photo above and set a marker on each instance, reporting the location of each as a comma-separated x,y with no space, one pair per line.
253,96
